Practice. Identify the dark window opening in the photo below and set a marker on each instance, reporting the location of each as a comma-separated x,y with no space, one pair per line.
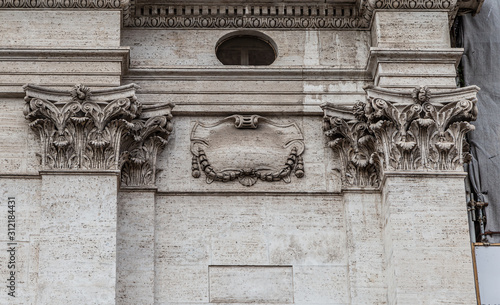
246,51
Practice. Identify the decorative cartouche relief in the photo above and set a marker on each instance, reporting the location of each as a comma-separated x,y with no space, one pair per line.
247,148
394,130
351,138
142,143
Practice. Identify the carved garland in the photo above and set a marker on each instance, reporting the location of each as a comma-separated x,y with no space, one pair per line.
388,136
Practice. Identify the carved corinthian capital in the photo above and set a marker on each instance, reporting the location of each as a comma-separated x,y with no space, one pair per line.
81,129
420,131
353,142
142,144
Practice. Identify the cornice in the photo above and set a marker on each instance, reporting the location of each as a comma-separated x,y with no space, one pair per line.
421,175
250,14
33,53
246,73
307,15
71,4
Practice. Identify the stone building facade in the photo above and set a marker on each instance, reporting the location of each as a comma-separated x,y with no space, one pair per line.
136,168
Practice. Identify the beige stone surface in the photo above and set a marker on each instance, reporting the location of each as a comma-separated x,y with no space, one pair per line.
295,48
321,285
19,144
189,242
60,28
77,243
195,232
251,284
26,192
411,30
135,247
404,75
420,212
365,247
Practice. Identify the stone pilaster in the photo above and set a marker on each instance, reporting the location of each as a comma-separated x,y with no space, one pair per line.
136,205
77,241
143,142
352,140
412,144
86,138
411,44
421,149
135,255
426,240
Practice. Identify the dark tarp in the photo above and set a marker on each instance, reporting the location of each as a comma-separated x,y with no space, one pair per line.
481,67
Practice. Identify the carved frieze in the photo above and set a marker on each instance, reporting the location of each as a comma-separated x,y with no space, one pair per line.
108,4
313,14
142,144
235,14
247,149
81,129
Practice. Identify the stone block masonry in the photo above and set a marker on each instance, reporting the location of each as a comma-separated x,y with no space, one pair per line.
138,169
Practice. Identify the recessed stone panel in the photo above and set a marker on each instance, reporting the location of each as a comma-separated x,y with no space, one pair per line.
251,284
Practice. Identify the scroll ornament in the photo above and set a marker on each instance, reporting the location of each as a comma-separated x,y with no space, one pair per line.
79,133
354,143
142,144
98,130
423,135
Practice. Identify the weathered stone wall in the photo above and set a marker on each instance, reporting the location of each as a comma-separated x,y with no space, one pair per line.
311,236
202,242
160,48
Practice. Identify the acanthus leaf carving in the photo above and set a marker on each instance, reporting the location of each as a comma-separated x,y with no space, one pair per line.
397,131
391,127
142,144
418,133
354,144
77,132
247,148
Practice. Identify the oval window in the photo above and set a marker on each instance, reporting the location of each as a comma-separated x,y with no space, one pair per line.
245,50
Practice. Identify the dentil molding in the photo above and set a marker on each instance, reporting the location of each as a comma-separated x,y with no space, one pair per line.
246,14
